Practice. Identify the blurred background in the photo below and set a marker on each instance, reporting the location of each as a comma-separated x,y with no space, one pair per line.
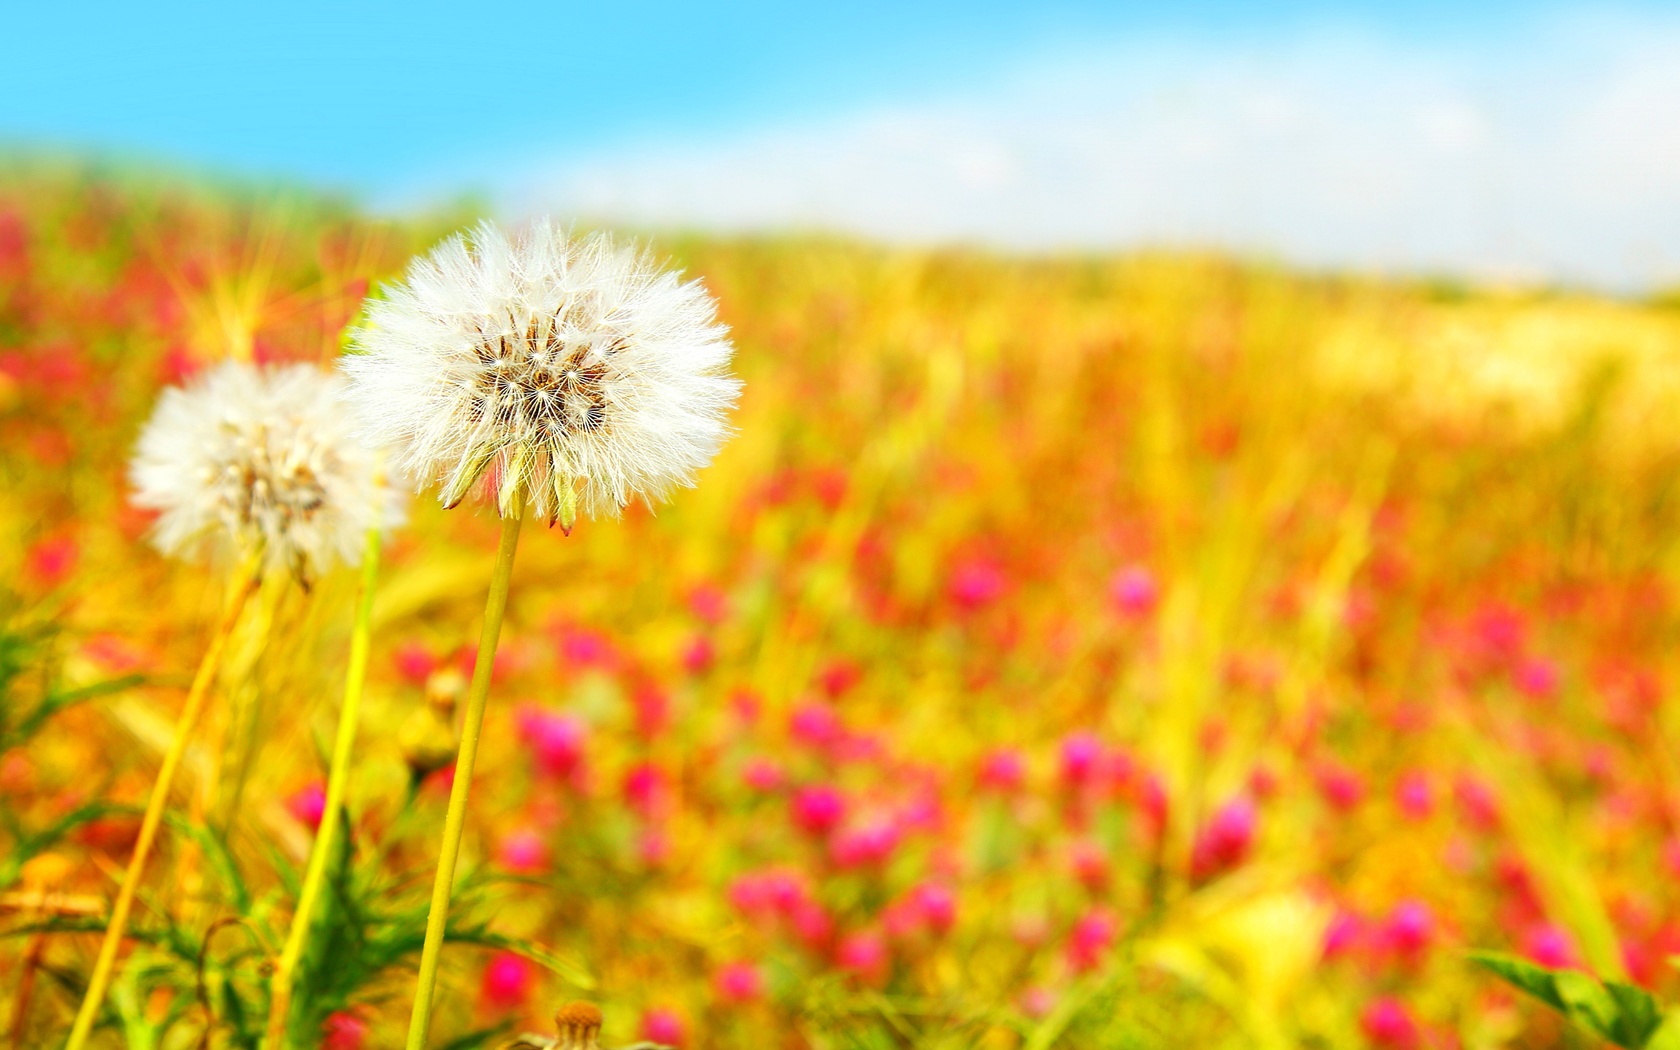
1197,562
1518,141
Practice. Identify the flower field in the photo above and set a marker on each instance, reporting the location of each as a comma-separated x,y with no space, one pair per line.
1145,651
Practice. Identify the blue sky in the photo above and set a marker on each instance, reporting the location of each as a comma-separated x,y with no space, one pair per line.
1042,125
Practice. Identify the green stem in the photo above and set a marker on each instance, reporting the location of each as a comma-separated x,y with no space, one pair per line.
326,837
444,884
105,966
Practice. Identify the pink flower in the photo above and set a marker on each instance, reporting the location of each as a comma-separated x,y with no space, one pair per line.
785,890
1091,938
938,906
901,919
1224,842
860,747
507,982
761,774
653,710
52,559
663,1026
922,811
1600,764
1413,796
864,954
1133,591
976,583
838,678
1120,768
582,647
812,924
1003,770
872,843
1410,928
1340,786
1343,935
1536,678
1036,1002
343,1030
1478,803
749,894
1387,1023
1081,752
415,662
818,809
523,850
556,741
747,705
1155,803
653,847
700,655
308,804
738,982
646,789
1549,946
816,725
709,603
1090,864
115,654
760,894
1501,630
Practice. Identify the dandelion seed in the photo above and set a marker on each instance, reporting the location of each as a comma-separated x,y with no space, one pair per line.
570,373
246,460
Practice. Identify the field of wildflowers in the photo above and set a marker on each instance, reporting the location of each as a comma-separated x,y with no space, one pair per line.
1159,650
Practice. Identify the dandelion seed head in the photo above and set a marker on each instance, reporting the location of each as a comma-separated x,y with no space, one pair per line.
572,372
247,459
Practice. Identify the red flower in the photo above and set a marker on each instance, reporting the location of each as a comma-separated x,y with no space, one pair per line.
507,982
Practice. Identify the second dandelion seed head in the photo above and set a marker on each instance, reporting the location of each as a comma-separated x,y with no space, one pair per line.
255,461
566,373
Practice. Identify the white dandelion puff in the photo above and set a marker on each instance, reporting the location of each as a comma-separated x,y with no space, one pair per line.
564,371
248,460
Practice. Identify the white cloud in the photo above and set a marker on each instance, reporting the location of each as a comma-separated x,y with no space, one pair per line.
1554,155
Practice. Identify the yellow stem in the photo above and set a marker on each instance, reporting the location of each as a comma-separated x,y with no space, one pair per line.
326,836
104,967
443,885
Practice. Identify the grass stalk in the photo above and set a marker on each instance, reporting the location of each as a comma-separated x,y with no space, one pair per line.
437,919
326,836
250,576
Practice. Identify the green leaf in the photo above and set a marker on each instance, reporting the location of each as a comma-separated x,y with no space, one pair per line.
1625,1015
1639,1014
1524,975
1589,1003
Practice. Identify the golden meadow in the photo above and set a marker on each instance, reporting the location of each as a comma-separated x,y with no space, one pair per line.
1148,650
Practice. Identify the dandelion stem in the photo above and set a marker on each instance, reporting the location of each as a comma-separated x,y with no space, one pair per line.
443,885
326,837
250,576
